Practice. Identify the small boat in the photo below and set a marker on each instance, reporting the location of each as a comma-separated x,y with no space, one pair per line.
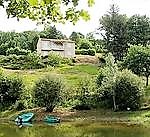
25,124
24,117
51,119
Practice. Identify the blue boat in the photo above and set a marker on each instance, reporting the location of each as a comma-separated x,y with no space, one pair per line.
24,117
25,124
51,119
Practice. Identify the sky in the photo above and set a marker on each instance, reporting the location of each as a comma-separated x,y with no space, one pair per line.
129,7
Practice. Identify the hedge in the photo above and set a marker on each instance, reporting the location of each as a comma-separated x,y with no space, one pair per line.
86,52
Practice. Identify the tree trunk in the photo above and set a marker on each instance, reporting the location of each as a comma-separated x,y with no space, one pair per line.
114,101
50,108
147,80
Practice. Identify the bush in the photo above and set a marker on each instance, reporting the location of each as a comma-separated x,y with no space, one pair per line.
29,61
54,60
127,89
84,95
86,52
17,51
91,52
68,61
25,101
47,92
85,44
10,90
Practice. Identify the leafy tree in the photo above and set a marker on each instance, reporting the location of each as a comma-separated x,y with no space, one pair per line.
26,40
126,89
106,78
138,28
47,92
85,44
10,90
51,33
76,36
84,94
138,60
46,11
114,31
90,36
17,51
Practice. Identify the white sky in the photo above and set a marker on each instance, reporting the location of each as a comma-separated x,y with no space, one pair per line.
129,7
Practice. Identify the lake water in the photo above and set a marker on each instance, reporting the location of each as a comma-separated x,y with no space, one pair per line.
72,130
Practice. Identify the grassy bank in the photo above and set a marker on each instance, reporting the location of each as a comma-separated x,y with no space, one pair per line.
100,115
70,74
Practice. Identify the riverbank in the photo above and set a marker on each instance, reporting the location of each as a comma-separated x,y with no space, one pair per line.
100,115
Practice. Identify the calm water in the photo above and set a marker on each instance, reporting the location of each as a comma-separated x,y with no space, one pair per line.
73,130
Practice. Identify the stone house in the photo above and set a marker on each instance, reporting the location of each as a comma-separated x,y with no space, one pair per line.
65,48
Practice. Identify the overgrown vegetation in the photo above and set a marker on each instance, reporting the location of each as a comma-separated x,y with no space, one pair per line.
105,85
47,92
11,89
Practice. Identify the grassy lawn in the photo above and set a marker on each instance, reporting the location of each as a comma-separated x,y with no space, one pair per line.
70,74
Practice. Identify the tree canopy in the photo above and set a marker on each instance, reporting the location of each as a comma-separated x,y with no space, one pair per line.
113,30
138,60
138,28
46,11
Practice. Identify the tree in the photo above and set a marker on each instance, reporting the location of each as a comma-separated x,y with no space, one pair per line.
11,89
47,92
50,32
138,61
138,28
46,11
113,29
85,44
106,78
76,36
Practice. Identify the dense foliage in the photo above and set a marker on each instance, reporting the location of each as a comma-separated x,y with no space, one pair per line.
138,28
85,44
84,97
126,89
46,11
11,89
51,33
86,52
47,92
138,60
29,61
114,32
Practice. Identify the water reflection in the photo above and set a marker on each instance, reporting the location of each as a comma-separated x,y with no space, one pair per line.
72,130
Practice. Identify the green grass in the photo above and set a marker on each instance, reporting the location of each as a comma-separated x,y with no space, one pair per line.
98,115
70,74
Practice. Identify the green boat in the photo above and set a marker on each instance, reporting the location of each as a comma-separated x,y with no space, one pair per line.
24,117
51,119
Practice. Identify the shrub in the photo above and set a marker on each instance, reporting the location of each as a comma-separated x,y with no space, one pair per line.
85,44
54,59
25,101
68,61
84,95
91,52
29,61
3,48
17,51
86,52
10,90
47,92
127,90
